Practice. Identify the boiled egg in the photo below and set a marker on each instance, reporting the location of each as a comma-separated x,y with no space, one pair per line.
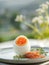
21,45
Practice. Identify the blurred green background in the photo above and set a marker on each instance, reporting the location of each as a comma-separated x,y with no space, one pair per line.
9,9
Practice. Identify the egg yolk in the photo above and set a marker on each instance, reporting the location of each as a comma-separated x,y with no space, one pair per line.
21,41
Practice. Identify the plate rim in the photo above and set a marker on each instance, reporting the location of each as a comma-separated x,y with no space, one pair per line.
28,60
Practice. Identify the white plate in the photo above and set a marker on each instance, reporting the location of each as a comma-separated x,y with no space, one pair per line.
7,56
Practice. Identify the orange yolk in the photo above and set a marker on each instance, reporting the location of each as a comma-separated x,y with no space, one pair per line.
21,41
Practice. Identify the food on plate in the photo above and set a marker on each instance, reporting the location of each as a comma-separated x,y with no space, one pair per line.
23,50
21,45
34,54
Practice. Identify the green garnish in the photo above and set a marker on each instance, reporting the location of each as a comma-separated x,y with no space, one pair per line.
20,56
41,50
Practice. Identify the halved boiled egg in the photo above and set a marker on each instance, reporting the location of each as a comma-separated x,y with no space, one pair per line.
21,45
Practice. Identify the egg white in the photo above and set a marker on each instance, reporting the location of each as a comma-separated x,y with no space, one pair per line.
21,50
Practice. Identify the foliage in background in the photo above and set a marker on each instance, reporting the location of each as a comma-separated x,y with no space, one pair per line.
37,29
39,24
